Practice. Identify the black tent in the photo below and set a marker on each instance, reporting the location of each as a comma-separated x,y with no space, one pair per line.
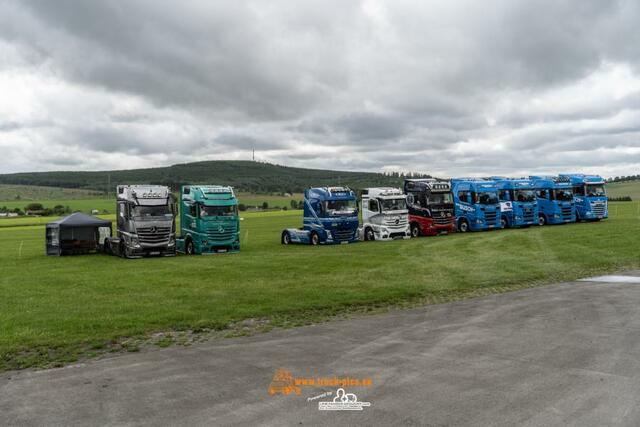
76,233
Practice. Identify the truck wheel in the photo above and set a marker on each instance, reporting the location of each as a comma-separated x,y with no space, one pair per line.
463,226
189,248
542,220
503,222
369,235
107,247
122,248
415,230
286,238
315,239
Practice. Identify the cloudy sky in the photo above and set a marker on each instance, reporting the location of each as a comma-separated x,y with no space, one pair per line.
446,87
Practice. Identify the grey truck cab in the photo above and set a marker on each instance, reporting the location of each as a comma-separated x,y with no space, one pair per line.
145,222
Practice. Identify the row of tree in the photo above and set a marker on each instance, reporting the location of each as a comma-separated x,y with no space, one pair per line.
624,178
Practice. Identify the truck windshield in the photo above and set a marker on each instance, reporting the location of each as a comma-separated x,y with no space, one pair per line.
488,198
334,207
393,204
564,195
525,195
595,190
440,198
150,212
206,211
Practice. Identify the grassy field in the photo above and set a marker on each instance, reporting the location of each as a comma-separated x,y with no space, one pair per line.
53,310
28,193
621,189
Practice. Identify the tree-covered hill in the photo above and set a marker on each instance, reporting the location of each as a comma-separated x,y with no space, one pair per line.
243,175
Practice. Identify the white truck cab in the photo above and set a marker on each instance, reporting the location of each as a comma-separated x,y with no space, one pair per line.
384,214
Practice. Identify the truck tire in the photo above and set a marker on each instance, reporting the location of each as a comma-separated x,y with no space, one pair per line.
463,225
122,248
542,220
286,238
189,249
503,222
415,230
107,247
314,239
369,234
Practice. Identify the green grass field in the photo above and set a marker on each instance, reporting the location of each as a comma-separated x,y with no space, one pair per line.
28,193
621,189
53,310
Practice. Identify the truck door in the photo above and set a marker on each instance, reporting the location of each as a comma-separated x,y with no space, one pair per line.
122,217
191,215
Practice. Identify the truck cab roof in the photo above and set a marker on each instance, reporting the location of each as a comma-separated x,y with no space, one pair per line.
144,195
473,184
515,184
579,178
427,184
330,193
550,181
209,194
383,193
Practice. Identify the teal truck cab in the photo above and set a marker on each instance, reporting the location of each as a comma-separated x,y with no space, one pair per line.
209,221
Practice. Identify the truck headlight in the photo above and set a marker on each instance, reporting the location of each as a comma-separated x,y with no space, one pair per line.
478,221
329,236
135,242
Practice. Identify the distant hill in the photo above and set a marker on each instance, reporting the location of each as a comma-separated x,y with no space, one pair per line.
243,175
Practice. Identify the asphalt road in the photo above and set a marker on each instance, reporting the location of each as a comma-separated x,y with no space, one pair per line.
565,354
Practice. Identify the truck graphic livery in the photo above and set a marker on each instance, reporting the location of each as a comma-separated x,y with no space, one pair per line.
518,203
431,208
589,196
384,214
209,221
555,200
330,216
145,222
476,204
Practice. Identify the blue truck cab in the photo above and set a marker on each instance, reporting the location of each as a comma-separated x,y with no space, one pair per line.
518,204
589,195
476,204
555,200
330,216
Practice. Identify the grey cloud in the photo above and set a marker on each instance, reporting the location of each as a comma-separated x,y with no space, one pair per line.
398,83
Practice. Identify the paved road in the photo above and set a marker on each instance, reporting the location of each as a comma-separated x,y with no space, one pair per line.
566,354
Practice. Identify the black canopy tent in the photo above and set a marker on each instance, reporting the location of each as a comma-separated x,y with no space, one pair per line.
76,233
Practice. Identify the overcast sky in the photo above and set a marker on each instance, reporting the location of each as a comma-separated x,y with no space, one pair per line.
443,87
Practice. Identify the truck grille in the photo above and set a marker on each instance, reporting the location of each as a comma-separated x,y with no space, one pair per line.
441,218
566,213
527,214
598,209
443,221
490,217
342,235
153,235
392,223
221,233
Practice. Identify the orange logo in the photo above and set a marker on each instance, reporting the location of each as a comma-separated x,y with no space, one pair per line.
283,383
